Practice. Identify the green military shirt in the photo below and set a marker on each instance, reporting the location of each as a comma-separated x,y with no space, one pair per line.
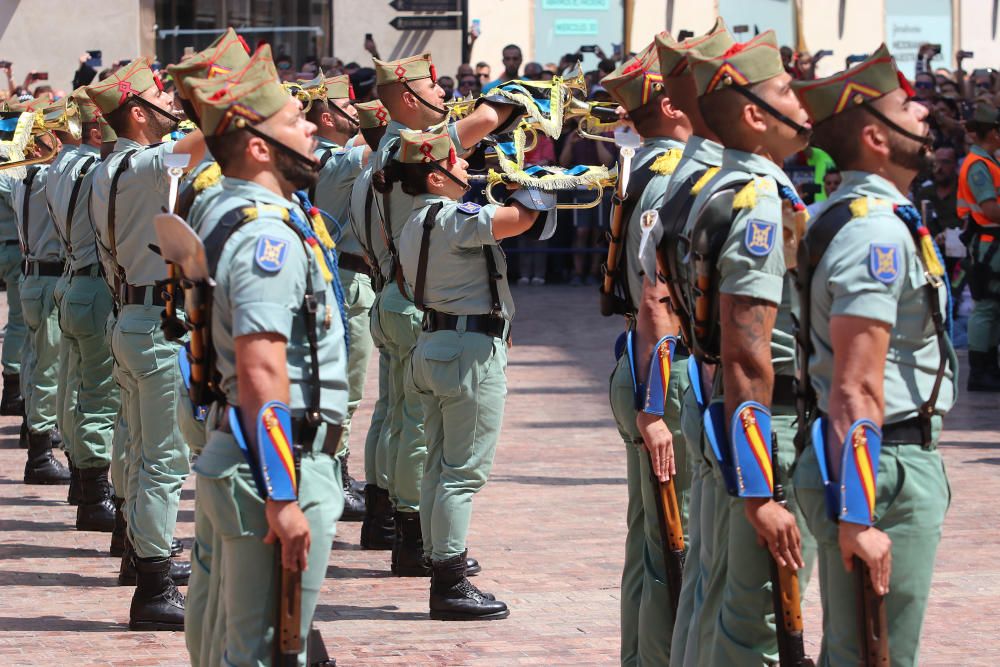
872,269
400,203
8,218
260,286
457,280
333,191
142,194
752,260
77,233
41,239
980,178
668,152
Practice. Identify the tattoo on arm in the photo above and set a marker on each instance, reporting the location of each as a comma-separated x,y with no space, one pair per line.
748,374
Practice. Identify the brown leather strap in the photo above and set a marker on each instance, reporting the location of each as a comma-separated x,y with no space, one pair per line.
112,205
425,241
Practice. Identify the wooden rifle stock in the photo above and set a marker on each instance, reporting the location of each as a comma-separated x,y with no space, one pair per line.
671,534
288,621
615,244
872,621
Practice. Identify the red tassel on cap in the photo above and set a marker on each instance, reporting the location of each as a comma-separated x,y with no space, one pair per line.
244,43
905,84
156,80
452,159
434,74
350,92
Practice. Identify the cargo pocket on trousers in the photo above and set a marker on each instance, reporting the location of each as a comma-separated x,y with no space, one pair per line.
79,316
138,348
437,368
32,303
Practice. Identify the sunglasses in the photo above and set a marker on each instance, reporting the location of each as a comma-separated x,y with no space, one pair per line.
467,83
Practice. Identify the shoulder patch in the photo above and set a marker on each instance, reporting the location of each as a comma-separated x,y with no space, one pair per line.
469,207
760,237
883,262
271,253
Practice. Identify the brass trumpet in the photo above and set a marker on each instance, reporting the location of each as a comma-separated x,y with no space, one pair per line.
27,128
494,178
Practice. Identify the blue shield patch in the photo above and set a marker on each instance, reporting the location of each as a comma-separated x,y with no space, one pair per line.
469,207
883,262
760,236
271,253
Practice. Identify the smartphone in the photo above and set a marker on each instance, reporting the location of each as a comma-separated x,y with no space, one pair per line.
4,64
41,76
821,54
591,48
477,28
962,55
368,37
94,62
684,34
740,29
935,49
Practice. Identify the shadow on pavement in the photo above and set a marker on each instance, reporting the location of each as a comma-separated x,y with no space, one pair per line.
56,579
343,612
57,623
556,481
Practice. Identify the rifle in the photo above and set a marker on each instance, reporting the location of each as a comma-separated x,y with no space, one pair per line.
288,610
872,619
628,142
671,533
785,591
173,327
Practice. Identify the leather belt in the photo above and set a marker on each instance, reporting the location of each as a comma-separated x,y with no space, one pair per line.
906,432
491,325
135,295
351,262
331,443
10,242
36,268
91,270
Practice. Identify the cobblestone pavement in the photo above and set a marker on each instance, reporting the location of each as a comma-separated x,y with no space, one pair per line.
548,530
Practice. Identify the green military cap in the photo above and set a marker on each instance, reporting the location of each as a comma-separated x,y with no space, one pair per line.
636,81
867,81
413,68
339,88
742,64
984,115
132,79
423,147
372,114
32,104
673,55
249,96
227,54
89,113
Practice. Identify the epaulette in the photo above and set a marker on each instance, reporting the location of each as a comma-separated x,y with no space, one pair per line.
209,176
253,212
703,181
863,206
666,164
747,197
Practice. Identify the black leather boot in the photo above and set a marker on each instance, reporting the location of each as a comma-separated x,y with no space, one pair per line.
22,438
73,494
96,512
180,571
55,435
176,547
455,598
408,547
118,535
12,402
156,604
378,528
993,363
359,487
980,376
354,500
42,467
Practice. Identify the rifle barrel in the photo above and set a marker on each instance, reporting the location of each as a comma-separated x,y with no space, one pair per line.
873,623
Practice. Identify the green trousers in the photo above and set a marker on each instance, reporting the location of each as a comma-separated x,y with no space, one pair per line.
912,497
984,322
376,468
157,453
647,616
399,324
14,332
741,578
120,435
462,382
90,418
67,365
40,377
358,298
227,621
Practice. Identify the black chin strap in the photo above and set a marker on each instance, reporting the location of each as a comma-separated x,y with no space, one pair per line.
152,107
753,97
333,107
925,140
461,184
309,162
440,110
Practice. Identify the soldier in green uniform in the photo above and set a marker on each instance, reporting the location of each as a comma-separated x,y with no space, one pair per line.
43,266
646,608
880,362
92,398
333,114
129,188
266,272
409,90
458,367
11,260
744,330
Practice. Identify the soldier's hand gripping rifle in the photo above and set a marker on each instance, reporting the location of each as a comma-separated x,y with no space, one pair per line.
173,327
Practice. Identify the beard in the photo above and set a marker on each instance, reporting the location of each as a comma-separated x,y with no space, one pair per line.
909,154
295,171
160,125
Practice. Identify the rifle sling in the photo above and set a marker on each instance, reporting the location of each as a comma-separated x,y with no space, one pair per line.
74,195
425,240
112,205
29,179
673,217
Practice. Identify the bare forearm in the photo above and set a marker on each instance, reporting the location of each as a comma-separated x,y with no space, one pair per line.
486,118
654,320
194,145
261,376
747,371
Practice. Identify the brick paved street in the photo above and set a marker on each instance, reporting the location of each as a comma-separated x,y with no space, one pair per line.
548,530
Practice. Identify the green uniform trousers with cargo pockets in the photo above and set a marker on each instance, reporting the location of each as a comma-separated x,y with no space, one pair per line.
90,418
647,616
40,377
462,382
912,497
358,300
14,332
229,619
157,453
